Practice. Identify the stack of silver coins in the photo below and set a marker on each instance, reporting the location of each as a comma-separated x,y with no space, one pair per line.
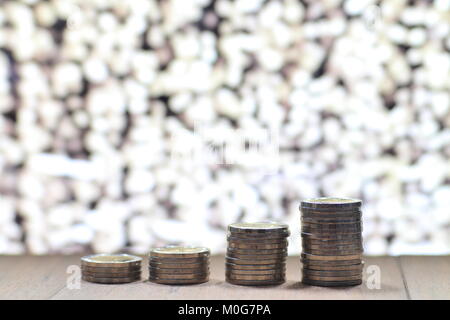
111,268
331,242
179,265
256,253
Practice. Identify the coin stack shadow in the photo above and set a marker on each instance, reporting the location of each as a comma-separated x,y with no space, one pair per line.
331,242
179,265
111,268
256,253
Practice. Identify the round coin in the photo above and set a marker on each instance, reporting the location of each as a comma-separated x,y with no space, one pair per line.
111,260
326,278
258,228
353,267
333,252
331,202
270,277
110,269
329,236
256,256
261,246
197,276
310,257
163,265
306,245
331,225
330,262
257,240
255,272
333,273
329,212
316,220
235,266
255,282
179,281
330,231
331,283
204,259
332,228
180,252
259,251
110,280
154,270
111,275
331,242
254,262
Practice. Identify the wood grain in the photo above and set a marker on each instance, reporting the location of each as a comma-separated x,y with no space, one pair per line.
427,278
26,277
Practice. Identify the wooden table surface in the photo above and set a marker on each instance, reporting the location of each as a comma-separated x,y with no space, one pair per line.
46,277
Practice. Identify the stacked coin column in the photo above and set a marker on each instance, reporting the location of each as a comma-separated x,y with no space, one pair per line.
179,265
111,268
256,253
331,242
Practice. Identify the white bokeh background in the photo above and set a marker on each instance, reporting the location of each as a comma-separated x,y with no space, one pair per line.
96,97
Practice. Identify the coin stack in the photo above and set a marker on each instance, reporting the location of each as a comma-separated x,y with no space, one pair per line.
111,268
256,253
331,242
179,265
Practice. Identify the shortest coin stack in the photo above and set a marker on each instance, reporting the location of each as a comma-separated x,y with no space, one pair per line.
179,265
111,268
332,242
256,254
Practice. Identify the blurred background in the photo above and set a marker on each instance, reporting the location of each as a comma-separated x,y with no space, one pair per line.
129,124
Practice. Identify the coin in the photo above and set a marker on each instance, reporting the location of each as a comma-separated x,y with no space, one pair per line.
326,278
197,276
316,221
307,246
180,252
331,242
111,260
330,258
177,265
332,228
254,262
258,228
235,266
110,280
110,269
179,281
331,225
336,236
353,267
331,215
179,260
332,273
255,282
259,251
331,202
253,277
280,271
111,275
330,262
332,283
333,252
203,269
257,246
256,256
257,240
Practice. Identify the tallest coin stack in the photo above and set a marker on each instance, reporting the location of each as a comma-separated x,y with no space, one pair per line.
331,242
